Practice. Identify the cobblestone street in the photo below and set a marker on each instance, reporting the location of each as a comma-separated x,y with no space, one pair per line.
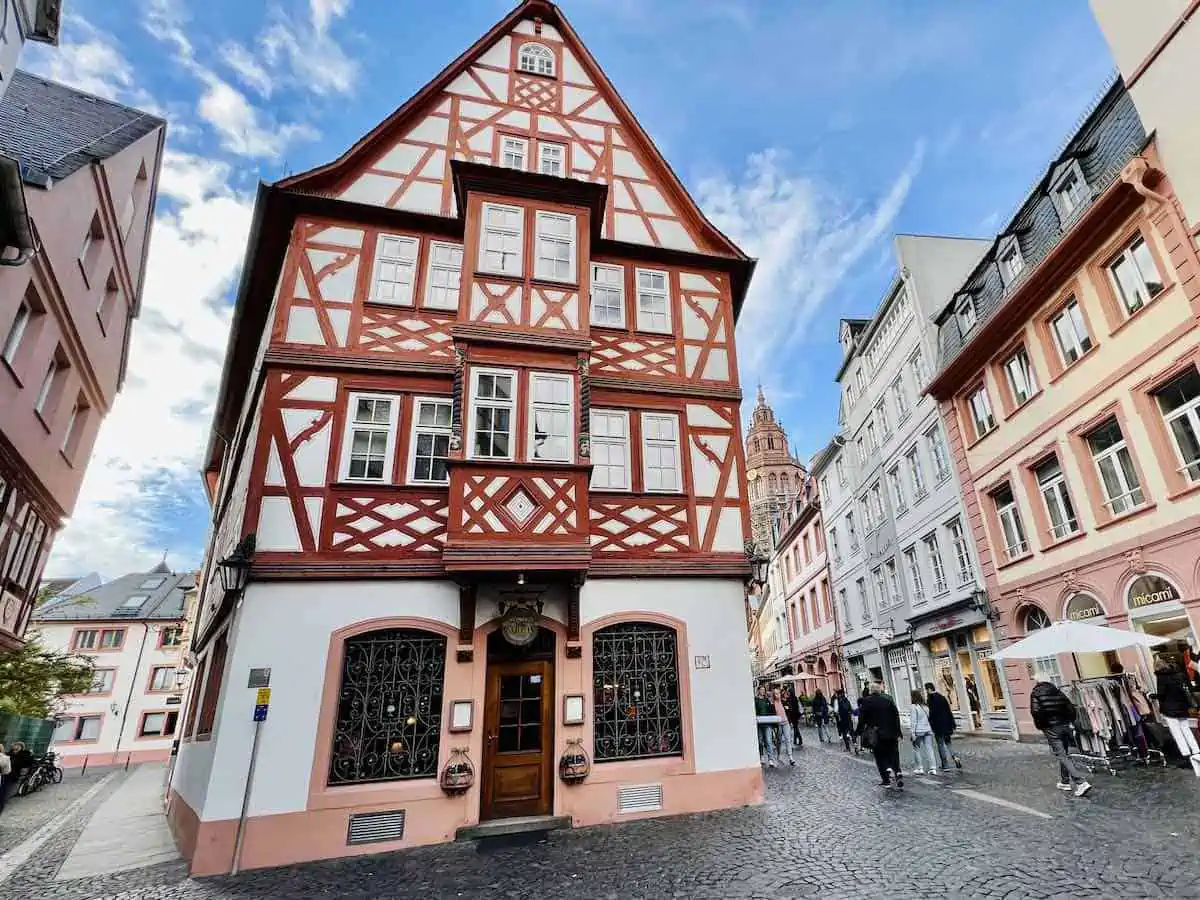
998,829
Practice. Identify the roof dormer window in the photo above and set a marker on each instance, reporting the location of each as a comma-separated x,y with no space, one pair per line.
964,311
1069,191
1009,259
535,58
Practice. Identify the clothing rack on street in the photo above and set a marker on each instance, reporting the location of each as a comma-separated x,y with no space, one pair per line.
1111,712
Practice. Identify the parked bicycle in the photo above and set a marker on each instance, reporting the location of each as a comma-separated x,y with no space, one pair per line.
45,770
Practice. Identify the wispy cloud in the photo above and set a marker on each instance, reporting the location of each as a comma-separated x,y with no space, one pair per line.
93,64
247,68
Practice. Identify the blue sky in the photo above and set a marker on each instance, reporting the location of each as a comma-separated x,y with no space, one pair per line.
810,131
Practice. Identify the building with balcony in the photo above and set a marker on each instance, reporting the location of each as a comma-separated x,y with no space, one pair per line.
1069,388
479,419
775,476
90,173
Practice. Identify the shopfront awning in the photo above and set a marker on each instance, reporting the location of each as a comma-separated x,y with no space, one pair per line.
1076,637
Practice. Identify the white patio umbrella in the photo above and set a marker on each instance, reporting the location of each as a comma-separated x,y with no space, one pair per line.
786,678
1076,637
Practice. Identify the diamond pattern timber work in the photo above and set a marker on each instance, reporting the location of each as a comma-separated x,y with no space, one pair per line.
535,93
638,526
533,505
374,524
519,506
404,332
625,356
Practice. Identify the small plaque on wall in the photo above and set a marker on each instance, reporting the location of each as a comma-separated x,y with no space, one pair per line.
703,662
462,712
573,709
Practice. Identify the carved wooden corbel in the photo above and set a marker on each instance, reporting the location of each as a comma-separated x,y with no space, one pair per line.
1135,173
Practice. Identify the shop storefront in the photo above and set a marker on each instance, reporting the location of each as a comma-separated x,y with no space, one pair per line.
865,663
1156,607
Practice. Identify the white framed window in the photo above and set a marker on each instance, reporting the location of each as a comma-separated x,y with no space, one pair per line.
1009,259
900,398
660,452
876,497
860,446
102,681
162,678
840,466
551,418
885,427
493,410
445,275
1135,276
1070,192
1011,525
394,274
1179,403
933,553
1057,498
500,245
920,374
47,385
1118,477
896,489
851,531
1021,380
844,603
834,546
552,159
73,421
86,639
12,342
860,378
937,452
916,478
864,599
608,295
893,582
1070,333
653,301
555,257
981,411
514,153
964,311
87,728
915,581
872,436
610,450
370,439
880,587
962,553
112,638
430,441
535,58
867,516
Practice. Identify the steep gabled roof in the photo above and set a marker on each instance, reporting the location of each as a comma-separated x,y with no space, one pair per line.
321,178
163,599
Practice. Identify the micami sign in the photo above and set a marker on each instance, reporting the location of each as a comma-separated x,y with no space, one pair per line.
1149,590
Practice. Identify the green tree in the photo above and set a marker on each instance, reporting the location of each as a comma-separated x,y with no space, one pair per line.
34,679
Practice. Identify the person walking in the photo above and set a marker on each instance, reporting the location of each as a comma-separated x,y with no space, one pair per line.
843,714
922,735
941,720
1174,703
1053,715
784,732
792,704
5,774
973,702
879,730
820,708
766,736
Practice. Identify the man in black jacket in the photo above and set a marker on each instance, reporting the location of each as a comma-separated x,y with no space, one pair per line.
879,727
1054,714
941,720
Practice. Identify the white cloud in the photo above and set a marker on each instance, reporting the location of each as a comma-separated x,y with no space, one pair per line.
147,455
805,238
243,63
325,11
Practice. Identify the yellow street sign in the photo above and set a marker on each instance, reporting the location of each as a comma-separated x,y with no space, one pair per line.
264,697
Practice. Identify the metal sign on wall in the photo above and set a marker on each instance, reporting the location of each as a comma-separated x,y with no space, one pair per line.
1083,606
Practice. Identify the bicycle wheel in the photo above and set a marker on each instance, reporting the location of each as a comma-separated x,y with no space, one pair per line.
23,787
58,775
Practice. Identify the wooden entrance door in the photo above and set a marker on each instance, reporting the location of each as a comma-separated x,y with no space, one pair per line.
518,740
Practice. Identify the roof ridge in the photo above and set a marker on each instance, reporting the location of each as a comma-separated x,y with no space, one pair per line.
18,73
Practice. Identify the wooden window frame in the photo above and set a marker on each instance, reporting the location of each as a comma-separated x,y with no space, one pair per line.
416,429
677,445
413,266
1094,490
393,433
1048,336
512,406
431,266
626,445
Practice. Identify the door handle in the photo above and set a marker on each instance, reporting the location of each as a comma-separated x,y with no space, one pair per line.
491,738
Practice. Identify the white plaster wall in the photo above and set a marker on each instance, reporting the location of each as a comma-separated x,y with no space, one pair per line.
193,768
722,696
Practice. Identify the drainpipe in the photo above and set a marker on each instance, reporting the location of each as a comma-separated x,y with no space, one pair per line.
132,684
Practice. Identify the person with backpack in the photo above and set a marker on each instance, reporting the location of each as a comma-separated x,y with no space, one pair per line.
941,720
1053,713
843,714
820,713
879,730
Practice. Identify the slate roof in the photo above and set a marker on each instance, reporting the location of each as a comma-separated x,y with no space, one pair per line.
165,599
53,130
1108,137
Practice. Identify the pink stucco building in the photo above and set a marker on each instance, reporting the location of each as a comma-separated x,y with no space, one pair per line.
90,173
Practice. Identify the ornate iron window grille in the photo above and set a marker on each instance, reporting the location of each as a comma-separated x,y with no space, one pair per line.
636,705
389,713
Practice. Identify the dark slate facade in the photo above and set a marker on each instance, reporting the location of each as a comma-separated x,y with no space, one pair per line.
1108,138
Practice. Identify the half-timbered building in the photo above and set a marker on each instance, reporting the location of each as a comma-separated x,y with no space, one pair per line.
479,423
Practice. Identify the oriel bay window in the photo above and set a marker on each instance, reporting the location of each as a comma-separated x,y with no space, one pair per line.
370,438
513,153
636,706
1179,403
1118,477
1135,276
493,403
550,417
1011,527
430,441
1053,487
555,247
501,239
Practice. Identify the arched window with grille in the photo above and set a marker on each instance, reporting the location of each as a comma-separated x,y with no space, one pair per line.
1045,668
535,58
388,723
636,703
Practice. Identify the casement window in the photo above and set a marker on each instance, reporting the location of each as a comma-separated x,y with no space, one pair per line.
653,301
885,427
430,441
445,275
964,311
851,532
158,724
555,247
896,489
102,681
1135,276
162,678
915,582
552,159
1009,260
493,410
844,604
170,637
916,477
867,516
920,375
1179,403
840,466
1053,487
825,488
834,546
112,638
1118,477
16,331
1070,192
660,452
87,639
876,497
872,437
500,246
75,426
514,153
108,302
608,296
395,270
893,583
861,378
864,599
1022,382
551,417
48,380
84,728
981,411
89,249
933,553
962,553
370,438
535,58
900,398
1070,333
860,446
1011,526
610,450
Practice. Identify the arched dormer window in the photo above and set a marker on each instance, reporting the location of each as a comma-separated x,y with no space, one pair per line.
535,58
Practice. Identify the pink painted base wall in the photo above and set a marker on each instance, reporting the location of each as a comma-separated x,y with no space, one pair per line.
69,760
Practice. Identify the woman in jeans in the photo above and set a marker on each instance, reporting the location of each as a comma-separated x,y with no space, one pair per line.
922,735
785,727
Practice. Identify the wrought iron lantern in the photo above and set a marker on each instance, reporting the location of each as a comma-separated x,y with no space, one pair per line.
459,774
574,766
759,563
235,568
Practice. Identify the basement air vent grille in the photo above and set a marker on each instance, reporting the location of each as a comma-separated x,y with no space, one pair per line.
635,798
371,828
